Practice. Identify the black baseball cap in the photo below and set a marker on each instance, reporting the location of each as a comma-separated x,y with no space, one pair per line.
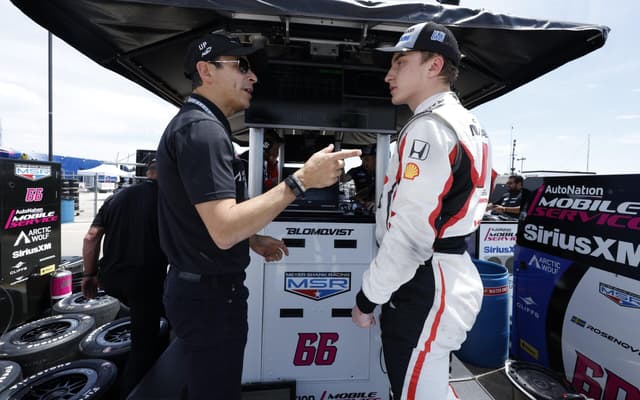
428,36
211,46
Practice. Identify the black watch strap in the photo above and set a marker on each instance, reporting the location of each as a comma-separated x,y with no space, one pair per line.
293,185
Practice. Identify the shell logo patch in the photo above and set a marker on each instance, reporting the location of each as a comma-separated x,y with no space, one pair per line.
411,171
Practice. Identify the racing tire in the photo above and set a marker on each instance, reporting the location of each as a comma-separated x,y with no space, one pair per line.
75,380
10,373
112,341
103,308
45,342
124,311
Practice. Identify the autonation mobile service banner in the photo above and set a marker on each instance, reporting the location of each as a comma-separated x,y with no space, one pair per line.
576,292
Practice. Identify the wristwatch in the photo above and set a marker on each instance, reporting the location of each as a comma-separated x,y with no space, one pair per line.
292,183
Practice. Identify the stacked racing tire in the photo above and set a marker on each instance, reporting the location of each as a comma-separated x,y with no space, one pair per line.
75,380
112,341
10,373
45,342
103,308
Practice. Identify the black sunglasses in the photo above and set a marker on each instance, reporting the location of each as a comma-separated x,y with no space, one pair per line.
243,64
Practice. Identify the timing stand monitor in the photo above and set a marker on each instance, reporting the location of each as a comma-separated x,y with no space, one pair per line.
321,96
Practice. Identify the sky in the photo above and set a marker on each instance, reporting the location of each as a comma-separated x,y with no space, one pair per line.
583,116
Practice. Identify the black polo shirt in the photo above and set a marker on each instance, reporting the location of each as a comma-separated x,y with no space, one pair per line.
197,163
130,222
510,200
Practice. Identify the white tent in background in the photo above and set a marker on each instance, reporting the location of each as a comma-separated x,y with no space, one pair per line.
107,176
104,169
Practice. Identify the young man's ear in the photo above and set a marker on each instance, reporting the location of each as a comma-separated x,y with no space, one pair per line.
437,63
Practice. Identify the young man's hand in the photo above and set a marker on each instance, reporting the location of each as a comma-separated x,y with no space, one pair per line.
361,319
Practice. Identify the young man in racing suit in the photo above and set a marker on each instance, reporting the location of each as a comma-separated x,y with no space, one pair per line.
435,193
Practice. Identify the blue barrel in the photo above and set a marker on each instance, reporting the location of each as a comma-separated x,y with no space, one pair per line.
487,343
67,211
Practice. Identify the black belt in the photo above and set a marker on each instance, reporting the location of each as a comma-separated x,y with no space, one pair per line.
193,277
450,245
207,278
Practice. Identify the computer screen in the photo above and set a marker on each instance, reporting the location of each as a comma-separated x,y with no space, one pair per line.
345,98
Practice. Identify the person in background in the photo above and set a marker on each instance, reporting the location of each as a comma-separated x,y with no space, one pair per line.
132,269
206,223
364,177
435,194
511,201
270,153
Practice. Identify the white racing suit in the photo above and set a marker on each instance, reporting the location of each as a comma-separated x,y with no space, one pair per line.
435,193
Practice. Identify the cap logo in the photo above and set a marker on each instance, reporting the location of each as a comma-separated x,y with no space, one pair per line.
204,49
438,36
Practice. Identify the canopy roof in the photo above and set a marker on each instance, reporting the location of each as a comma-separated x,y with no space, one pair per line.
145,40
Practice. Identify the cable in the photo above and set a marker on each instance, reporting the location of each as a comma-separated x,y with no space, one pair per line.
6,329
476,377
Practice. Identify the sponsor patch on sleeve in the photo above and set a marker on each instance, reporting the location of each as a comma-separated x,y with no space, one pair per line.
419,150
411,171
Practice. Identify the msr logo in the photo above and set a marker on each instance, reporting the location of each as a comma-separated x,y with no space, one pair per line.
619,296
317,285
32,172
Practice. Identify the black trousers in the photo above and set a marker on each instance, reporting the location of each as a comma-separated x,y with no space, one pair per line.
211,319
141,290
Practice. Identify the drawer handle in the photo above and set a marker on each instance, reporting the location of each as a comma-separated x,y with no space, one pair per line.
294,242
345,244
291,313
340,313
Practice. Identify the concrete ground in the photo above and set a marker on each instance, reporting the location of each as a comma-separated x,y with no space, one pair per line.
73,232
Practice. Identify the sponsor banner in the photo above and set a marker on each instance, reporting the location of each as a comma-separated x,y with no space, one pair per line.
602,345
535,279
317,285
20,218
496,242
340,392
577,283
29,218
331,395
319,231
591,219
